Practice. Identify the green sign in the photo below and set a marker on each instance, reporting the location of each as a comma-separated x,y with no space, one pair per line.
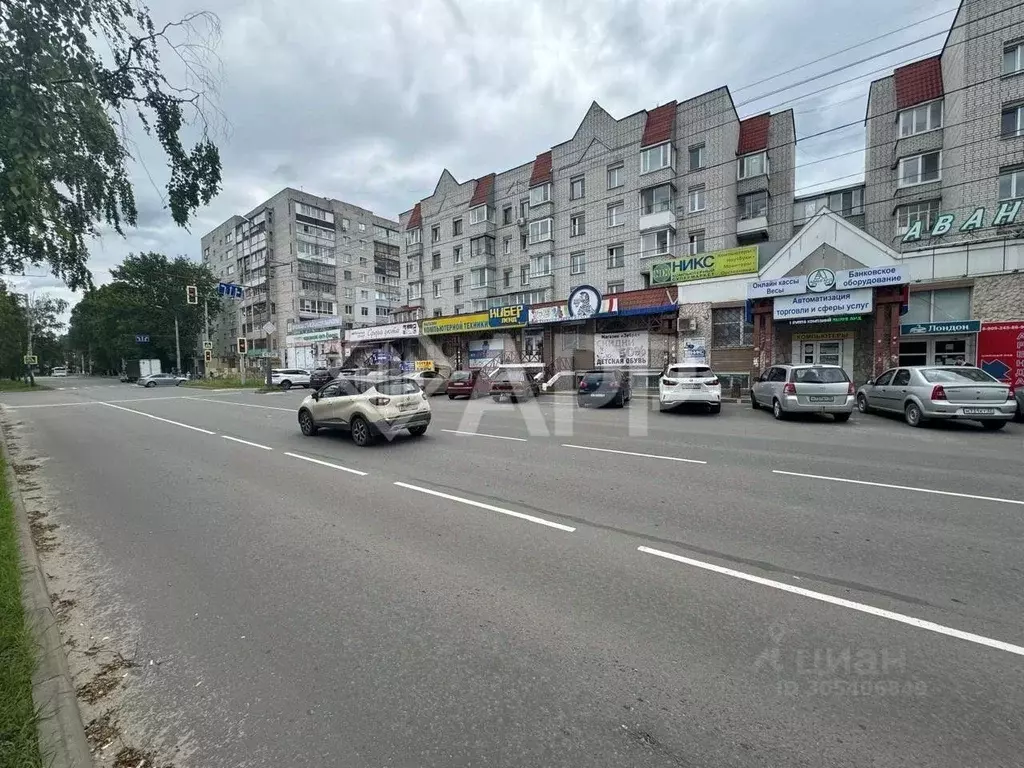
702,266
931,329
1006,214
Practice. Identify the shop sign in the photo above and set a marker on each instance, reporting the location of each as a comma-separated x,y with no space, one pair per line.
515,316
383,332
480,352
695,350
821,280
408,366
477,321
318,325
932,329
309,338
704,266
1005,214
554,314
1001,351
584,302
617,350
830,304
836,319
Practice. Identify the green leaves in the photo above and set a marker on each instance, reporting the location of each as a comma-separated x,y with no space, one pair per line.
63,112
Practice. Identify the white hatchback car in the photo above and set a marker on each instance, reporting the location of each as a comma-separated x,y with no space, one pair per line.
682,383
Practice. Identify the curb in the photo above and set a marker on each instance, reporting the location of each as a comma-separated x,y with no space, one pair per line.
636,395
61,733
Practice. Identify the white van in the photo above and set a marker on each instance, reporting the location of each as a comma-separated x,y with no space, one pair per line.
60,371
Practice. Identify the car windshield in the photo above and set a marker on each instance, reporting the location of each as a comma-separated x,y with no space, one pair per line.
397,387
461,376
690,371
956,376
597,377
819,375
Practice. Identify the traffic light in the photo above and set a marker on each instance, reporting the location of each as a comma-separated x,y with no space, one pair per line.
191,294
241,345
207,355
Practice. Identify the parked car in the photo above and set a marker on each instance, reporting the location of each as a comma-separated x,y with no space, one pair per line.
604,387
922,392
516,381
320,376
286,378
59,371
683,384
366,409
1019,395
160,380
471,384
788,389
431,382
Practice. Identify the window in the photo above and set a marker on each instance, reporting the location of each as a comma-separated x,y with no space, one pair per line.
577,225
696,157
524,209
480,278
481,246
437,289
920,169
457,254
616,256
479,215
364,295
315,307
615,214
522,242
412,236
577,263
345,224
615,176
363,261
729,328
438,312
754,205
576,188
506,215
348,309
414,291
507,278
347,274
656,158
507,246
695,197
457,283
540,230
921,119
364,311
655,243
540,265
459,308
362,226
695,243
847,203
231,269
1013,122
435,260
1013,58
942,306
541,194
1011,183
656,199
457,225
435,233
524,276
618,287
348,293
753,165
908,215
362,277
314,213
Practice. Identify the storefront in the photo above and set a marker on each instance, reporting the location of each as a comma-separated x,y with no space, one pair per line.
382,345
475,340
314,343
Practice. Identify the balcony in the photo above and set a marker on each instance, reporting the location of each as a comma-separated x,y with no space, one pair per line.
541,247
329,261
658,216
325,295
754,226
414,249
542,282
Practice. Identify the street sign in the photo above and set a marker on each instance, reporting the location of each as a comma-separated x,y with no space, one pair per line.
31,360
269,328
142,338
207,345
231,290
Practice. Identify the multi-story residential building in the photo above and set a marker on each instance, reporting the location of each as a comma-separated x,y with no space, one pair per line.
311,267
848,202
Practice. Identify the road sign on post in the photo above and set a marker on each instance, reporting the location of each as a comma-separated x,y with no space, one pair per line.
31,360
142,338
191,294
207,345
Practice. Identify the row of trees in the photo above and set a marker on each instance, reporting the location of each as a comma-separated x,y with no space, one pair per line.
146,294
41,312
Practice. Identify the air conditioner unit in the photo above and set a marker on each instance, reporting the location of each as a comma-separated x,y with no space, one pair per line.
687,324
521,222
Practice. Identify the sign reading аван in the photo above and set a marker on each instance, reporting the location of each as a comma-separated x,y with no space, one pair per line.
856,302
1006,214
703,266
819,279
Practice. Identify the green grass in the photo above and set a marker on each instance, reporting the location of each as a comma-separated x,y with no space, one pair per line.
6,385
224,383
19,747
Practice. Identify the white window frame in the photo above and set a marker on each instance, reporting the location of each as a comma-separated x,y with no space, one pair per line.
507,247
908,118
437,289
696,242
577,263
744,172
435,234
919,159
577,225
743,214
1017,50
916,215
619,286
457,285
662,154
701,150
696,198
616,169
540,265
619,257
540,194
487,271
457,254
1018,110
480,214
616,214
573,182
413,236
540,231
645,254
656,206
1016,184
524,275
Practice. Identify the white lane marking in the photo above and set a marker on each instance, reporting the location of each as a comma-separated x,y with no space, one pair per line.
633,453
159,418
244,405
863,608
470,502
246,442
50,405
481,434
325,463
901,487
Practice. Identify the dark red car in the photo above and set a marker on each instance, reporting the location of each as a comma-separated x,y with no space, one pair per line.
469,384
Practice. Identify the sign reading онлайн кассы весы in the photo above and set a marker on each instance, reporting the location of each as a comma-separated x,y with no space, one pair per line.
825,280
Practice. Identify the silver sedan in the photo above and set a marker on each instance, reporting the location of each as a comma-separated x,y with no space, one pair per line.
161,380
921,393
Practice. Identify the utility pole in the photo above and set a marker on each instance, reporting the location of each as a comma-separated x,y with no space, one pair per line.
177,344
206,334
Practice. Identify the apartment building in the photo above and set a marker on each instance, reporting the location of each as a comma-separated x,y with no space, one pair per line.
599,209
307,263
945,136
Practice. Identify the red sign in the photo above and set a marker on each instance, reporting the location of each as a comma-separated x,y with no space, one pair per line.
1001,351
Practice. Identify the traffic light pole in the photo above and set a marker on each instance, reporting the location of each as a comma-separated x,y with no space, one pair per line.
177,344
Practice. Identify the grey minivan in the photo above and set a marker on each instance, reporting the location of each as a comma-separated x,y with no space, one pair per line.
790,389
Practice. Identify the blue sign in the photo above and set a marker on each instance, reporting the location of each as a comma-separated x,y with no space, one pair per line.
933,329
996,368
142,338
513,316
383,358
408,366
231,290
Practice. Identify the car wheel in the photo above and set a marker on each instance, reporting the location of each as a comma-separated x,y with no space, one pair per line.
715,408
451,397
753,402
912,414
777,411
286,385
841,417
496,398
360,431
306,423
862,404
150,384
513,399
993,426
178,383
418,431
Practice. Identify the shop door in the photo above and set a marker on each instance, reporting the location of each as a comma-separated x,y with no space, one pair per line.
950,352
822,352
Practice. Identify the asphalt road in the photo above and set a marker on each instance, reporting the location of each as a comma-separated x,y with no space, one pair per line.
542,586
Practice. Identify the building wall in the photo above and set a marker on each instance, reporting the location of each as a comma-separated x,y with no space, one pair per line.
1000,297
782,180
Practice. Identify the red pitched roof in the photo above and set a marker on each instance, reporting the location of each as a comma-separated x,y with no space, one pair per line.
660,122
754,134
416,219
541,173
918,82
482,191
645,297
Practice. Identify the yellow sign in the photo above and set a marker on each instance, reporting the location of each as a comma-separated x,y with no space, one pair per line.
702,266
821,336
478,321
424,365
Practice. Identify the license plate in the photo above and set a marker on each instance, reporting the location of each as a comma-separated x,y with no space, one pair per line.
596,394
821,398
689,386
406,406
978,411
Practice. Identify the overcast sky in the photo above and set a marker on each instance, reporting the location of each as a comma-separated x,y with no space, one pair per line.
368,100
